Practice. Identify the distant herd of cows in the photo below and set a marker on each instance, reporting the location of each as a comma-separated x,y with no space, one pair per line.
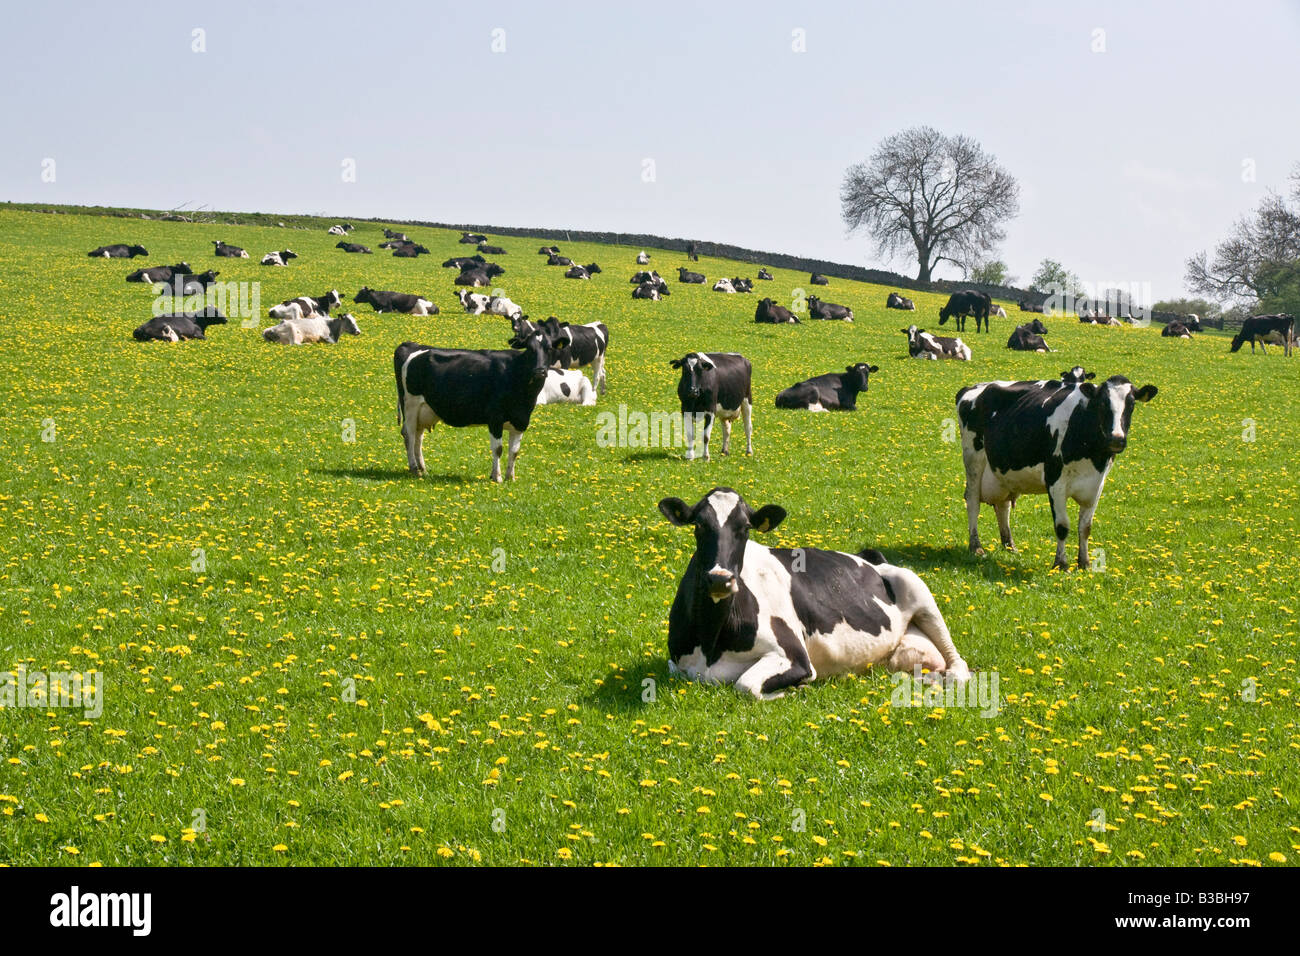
763,619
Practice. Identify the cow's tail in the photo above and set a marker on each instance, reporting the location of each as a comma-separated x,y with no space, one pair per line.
398,357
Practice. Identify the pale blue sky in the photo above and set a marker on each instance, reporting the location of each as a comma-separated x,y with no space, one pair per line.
1129,160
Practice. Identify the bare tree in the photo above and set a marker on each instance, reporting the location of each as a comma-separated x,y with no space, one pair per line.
1246,263
942,196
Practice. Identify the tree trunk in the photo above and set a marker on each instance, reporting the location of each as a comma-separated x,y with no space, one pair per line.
923,259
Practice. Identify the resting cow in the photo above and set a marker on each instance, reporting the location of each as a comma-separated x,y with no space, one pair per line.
1029,338
315,328
817,309
118,251
896,301
569,385
179,325
837,391
768,312
770,619
403,302
921,344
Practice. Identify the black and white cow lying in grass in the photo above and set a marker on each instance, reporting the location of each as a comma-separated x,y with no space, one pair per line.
472,238
179,325
224,251
1176,330
836,391
817,309
353,247
118,251
770,619
314,328
1053,438
569,385
160,273
280,258
723,285
642,258
464,387
305,305
475,303
897,301
768,312
1029,337
921,344
484,248
342,229
690,278
403,302
715,385
764,274
818,279
582,272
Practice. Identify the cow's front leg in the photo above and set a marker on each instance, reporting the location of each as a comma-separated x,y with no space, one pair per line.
1060,522
515,438
1086,511
708,431
495,443
1003,510
974,477
747,416
772,674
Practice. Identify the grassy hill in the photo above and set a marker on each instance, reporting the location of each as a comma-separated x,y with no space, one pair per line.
310,657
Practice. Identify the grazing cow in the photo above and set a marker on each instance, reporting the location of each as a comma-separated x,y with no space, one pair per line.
475,303
582,272
764,274
715,385
642,258
768,312
118,251
1053,438
305,305
1271,329
179,325
353,247
403,302
770,619
569,385
160,273
818,279
484,248
1176,330
962,304
921,344
896,301
1029,338
723,285
314,328
224,251
549,251
472,238
342,229
559,260
577,346
462,387
817,309
280,258
836,391
692,251
690,278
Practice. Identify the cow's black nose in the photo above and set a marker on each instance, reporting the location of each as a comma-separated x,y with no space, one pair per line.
1117,445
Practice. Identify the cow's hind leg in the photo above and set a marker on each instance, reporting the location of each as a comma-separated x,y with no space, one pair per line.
974,478
515,438
495,442
747,416
708,432
915,653
598,372
924,618
1061,524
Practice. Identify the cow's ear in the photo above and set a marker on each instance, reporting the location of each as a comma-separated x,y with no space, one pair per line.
873,369
676,511
675,363
767,517
1145,393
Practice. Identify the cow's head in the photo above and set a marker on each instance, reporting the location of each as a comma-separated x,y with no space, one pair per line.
695,368
1110,408
539,343
288,254
722,522
1037,327
592,269
363,295
858,375
943,315
345,324
913,337
137,251
1076,376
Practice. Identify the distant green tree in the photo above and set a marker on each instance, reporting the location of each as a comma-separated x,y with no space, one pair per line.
991,272
1201,307
1283,282
1054,277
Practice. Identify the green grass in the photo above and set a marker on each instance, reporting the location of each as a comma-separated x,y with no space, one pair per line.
522,690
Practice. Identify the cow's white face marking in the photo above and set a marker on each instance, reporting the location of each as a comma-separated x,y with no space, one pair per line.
723,504
1118,398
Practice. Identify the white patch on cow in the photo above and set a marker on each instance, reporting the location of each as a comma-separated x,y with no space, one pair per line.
997,486
723,504
704,360
1059,420
1118,398
816,407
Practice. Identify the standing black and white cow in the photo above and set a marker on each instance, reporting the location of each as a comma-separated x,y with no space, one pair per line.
715,385
817,309
962,304
462,387
837,391
118,250
921,344
770,619
897,301
219,248
1270,329
1029,337
1053,438
577,346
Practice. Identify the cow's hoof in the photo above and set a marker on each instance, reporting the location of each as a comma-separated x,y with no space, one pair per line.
496,478
1060,566
979,552
1007,545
